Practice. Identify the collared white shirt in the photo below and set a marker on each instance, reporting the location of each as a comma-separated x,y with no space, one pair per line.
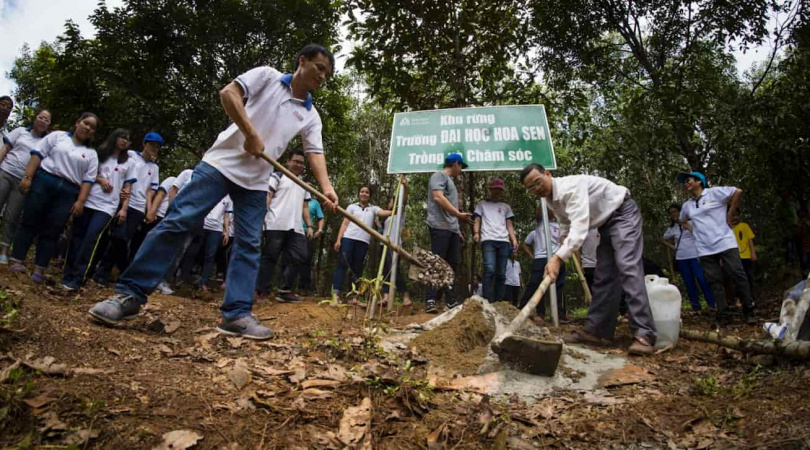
286,206
493,220
21,141
165,186
182,180
686,247
537,238
708,214
588,249
366,215
582,202
277,117
61,157
215,220
148,179
117,174
512,272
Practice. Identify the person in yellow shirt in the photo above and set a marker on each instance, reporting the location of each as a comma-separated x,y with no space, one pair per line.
745,241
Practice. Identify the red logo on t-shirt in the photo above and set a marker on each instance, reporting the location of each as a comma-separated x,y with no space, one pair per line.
116,169
298,115
82,155
150,174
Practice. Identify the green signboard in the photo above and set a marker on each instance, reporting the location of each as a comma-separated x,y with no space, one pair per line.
491,138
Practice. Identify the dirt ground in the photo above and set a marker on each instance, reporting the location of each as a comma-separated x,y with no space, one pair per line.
66,382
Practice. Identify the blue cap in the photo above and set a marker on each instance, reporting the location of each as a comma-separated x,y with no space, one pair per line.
153,137
684,175
454,158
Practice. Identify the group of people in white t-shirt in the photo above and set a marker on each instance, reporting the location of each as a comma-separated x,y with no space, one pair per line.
52,182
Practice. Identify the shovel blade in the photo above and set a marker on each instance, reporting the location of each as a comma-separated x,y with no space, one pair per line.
528,355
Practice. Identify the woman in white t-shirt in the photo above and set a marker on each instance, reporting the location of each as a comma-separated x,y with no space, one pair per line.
14,156
352,242
115,175
57,181
679,238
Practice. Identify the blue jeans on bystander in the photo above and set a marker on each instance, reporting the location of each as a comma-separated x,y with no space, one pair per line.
495,254
46,211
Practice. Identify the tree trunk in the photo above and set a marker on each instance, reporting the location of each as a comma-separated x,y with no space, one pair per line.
796,349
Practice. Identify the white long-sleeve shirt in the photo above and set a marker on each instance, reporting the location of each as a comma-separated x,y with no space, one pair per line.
582,202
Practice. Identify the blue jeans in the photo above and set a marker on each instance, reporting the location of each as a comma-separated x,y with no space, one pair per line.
495,254
46,211
538,269
351,258
691,270
210,247
207,188
87,230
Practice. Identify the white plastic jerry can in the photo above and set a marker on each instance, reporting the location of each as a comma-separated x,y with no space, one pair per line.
665,302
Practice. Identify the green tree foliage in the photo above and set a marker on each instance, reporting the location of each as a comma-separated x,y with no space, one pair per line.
159,65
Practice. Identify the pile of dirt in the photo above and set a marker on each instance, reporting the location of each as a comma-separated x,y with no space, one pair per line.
460,344
507,312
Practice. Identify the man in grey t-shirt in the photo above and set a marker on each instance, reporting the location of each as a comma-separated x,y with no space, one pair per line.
443,222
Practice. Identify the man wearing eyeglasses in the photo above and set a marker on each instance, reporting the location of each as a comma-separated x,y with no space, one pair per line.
711,211
582,203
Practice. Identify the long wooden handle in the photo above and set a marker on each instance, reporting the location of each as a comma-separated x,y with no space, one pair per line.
529,308
317,194
582,279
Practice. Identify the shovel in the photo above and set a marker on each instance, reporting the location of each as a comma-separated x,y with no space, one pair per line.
534,356
317,194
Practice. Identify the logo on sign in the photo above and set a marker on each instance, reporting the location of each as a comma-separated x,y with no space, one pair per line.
404,122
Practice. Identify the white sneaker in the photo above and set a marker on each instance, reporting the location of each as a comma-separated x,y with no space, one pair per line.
164,288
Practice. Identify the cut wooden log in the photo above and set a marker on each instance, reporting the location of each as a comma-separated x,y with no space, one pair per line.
796,349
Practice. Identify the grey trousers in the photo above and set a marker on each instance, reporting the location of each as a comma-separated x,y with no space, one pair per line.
618,258
13,199
732,266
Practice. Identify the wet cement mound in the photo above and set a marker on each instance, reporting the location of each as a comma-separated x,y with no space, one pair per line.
460,344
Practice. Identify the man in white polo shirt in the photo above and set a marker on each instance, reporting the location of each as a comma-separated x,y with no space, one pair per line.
711,212
583,202
284,232
268,109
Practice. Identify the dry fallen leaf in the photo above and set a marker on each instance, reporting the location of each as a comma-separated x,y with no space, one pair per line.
435,437
171,327
319,384
239,375
235,342
178,440
80,437
204,341
47,366
624,376
51,422
315,393
355,425
265,370
38,401
335,372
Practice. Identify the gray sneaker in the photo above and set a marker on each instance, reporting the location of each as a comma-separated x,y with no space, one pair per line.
247,326
115,309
